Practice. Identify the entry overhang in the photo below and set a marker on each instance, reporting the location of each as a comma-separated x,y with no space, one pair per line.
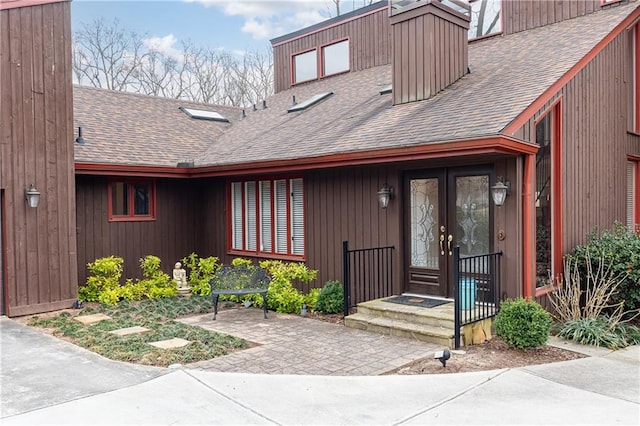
499,144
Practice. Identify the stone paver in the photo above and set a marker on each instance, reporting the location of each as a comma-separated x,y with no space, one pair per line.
290,344
129,330
176,342
92,319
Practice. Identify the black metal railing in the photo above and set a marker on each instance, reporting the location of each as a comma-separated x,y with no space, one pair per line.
367,274
476,288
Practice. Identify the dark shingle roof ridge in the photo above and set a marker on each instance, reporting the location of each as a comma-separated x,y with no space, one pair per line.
142,96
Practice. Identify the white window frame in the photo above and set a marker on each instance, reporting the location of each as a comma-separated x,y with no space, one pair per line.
267,217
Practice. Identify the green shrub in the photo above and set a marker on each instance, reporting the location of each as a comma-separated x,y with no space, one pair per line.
523,323
311,299
600,331
104,276
282,296
619,248
331,298
201,270
155,282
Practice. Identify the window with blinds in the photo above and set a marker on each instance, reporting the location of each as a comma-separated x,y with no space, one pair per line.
267,217
632,194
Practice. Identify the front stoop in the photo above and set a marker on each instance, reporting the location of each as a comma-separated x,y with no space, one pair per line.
432,325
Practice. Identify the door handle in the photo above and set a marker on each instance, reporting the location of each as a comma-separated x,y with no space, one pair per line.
441,245
449,239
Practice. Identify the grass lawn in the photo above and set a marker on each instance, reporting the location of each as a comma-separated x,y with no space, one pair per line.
157,315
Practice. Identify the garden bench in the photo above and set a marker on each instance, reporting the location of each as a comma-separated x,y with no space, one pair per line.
239,281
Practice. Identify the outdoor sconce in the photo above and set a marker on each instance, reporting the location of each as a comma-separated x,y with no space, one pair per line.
384,195
499,192
33,196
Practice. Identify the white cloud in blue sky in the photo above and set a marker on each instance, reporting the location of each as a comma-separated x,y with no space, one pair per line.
264,19
233,25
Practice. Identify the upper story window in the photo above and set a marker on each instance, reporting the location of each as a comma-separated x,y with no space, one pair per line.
329,59
131,200
335,58
305,66
634,80
267,217
485,18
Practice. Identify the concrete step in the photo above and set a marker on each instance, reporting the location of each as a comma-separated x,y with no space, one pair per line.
402,328
440,316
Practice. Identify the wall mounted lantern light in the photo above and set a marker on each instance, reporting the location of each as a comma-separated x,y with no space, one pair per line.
499,191
385,195
33,196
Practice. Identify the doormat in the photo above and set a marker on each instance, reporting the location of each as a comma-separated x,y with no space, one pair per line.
425,302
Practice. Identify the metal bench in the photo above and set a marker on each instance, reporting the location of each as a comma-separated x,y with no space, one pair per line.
239,281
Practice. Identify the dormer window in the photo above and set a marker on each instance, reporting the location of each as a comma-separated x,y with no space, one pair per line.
305,66
335,58
324,61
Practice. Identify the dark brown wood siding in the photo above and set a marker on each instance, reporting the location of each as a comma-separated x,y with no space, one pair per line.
340,204
37,148
595,142
523,15
429,51
368,44
171,236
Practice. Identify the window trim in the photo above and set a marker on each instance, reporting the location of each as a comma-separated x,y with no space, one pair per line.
292,65
635,75
319,49
635,160
131,216
259,252
493,34
321,56
555,110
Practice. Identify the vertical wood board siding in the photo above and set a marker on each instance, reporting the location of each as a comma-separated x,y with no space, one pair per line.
429,53
524,15
171,236
369,45
36,143
595,143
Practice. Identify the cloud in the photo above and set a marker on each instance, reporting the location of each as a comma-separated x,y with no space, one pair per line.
264,19
165,45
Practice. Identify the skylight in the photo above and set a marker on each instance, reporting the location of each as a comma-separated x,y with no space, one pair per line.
309,102
203,114
386,89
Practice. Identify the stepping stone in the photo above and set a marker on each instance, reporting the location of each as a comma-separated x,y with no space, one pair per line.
129,330
176,342
92,319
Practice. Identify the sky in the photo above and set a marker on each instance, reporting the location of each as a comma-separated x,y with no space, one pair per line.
234,25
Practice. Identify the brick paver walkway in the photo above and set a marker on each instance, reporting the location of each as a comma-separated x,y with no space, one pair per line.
289,344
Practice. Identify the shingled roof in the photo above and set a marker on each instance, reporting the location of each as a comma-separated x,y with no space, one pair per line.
508,73
132,129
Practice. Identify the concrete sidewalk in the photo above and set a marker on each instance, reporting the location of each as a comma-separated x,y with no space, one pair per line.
48,381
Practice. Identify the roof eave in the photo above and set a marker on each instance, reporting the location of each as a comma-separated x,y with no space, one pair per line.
498,144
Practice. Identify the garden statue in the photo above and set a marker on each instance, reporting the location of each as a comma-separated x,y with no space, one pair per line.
180,277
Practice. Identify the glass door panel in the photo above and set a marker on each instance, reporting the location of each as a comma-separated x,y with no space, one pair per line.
472,215
425,250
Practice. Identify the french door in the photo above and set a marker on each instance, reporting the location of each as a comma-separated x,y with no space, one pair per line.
444,208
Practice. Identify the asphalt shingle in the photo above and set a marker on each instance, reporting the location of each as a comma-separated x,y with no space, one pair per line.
507,74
